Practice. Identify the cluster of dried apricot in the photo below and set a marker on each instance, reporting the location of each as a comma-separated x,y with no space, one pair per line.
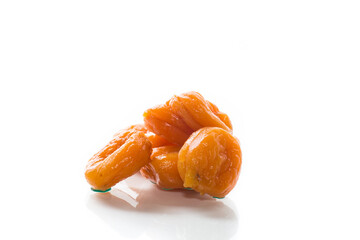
185,143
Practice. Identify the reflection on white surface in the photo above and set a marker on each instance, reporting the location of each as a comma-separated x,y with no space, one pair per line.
138,209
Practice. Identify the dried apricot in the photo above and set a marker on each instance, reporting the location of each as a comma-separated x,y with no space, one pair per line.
122,157
209,161
223,116
163,169
155,140
179,117
163,122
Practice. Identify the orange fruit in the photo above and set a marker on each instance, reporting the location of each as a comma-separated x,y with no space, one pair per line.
179,117
122,157
163,169
209,161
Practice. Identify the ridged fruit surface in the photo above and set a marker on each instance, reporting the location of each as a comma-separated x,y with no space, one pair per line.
179,117
122,157
209,161
163,169
155,140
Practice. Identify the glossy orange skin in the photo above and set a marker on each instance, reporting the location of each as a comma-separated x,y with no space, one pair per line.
155,140
210,161
163,169
223,116
179,117
122,157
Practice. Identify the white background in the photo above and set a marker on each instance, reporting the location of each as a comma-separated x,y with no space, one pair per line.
72,73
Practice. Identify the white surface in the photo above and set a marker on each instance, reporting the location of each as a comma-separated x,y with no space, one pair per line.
72,73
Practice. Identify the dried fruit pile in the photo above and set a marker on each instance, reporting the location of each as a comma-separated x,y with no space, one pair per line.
185,143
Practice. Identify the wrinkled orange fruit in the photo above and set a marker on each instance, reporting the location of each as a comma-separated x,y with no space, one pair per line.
179,117
155,140
209,161
163,169
185,143
122,157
